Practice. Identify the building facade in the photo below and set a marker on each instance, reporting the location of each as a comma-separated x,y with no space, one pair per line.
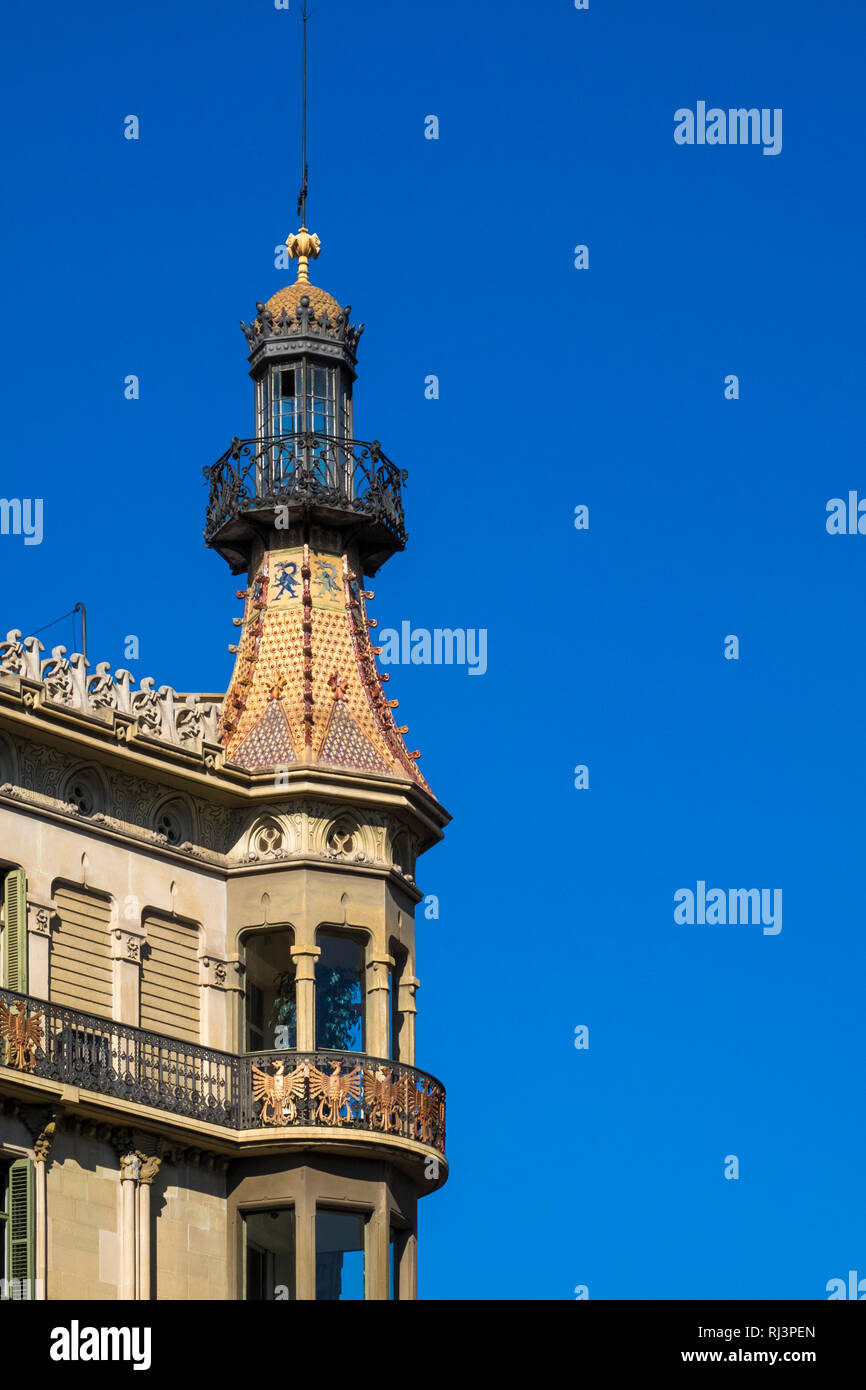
208,985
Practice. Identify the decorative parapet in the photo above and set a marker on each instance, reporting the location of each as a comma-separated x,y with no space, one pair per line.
65,682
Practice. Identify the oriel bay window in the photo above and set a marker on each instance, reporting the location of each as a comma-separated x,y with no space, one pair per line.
271,1006
340,993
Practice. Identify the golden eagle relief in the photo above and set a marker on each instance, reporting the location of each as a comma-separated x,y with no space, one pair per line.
429,1108
278,1093
384,1098
335,1093
23,1036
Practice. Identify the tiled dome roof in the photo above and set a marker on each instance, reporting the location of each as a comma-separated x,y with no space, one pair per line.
290,297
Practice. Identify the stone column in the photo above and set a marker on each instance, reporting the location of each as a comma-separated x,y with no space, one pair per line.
232,989
378,1003
408,1008
377,1253
39,917
126,944
130,1165
305,1238
150,1166
216,1029
409,1268
305,958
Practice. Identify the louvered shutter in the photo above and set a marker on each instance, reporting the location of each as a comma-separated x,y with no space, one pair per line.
15,932
81,971
170,990
21,1224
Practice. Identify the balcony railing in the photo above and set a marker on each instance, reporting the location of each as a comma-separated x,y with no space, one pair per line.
308,469
271,1090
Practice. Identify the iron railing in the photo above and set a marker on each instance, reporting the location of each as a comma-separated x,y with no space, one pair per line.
275,1089
309,469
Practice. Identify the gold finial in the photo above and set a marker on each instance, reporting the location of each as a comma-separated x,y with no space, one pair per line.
303,247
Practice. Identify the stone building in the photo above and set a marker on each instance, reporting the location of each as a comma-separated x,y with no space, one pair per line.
208,983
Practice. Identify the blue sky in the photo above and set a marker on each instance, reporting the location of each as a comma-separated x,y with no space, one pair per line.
558,387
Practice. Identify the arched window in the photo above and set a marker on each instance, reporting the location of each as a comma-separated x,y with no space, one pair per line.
340,993
271,1008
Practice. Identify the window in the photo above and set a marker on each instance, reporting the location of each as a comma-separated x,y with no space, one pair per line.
285,401
13,930
16,1229
271,1013
341,1238
394,1249
339,993
320,399
270,1255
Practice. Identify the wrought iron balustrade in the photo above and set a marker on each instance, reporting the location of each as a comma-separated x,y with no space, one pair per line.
115,1059
275,1089
309,469
342,1089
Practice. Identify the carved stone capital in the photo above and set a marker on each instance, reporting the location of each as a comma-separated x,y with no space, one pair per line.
214,971
126,944
150,1166
305,958
39,917
379,972
130,1167
406,994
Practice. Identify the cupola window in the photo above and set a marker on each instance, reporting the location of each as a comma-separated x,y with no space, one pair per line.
302,397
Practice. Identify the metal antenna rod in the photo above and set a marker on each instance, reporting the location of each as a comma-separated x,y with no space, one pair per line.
79,608
302,200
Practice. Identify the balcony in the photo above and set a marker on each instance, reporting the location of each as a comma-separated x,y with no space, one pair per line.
266,1090
345,483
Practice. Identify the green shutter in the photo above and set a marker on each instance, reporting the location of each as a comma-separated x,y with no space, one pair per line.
15,932
20,1223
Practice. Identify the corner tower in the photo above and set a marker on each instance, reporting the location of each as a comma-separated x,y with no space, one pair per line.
305,511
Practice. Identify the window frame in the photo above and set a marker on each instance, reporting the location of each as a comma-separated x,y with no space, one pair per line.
257,1210
365,1215
337,415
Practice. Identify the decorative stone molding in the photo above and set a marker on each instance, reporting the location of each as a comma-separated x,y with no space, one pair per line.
42,1122
132,804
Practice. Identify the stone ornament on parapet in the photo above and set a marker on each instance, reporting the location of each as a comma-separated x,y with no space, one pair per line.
163,714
